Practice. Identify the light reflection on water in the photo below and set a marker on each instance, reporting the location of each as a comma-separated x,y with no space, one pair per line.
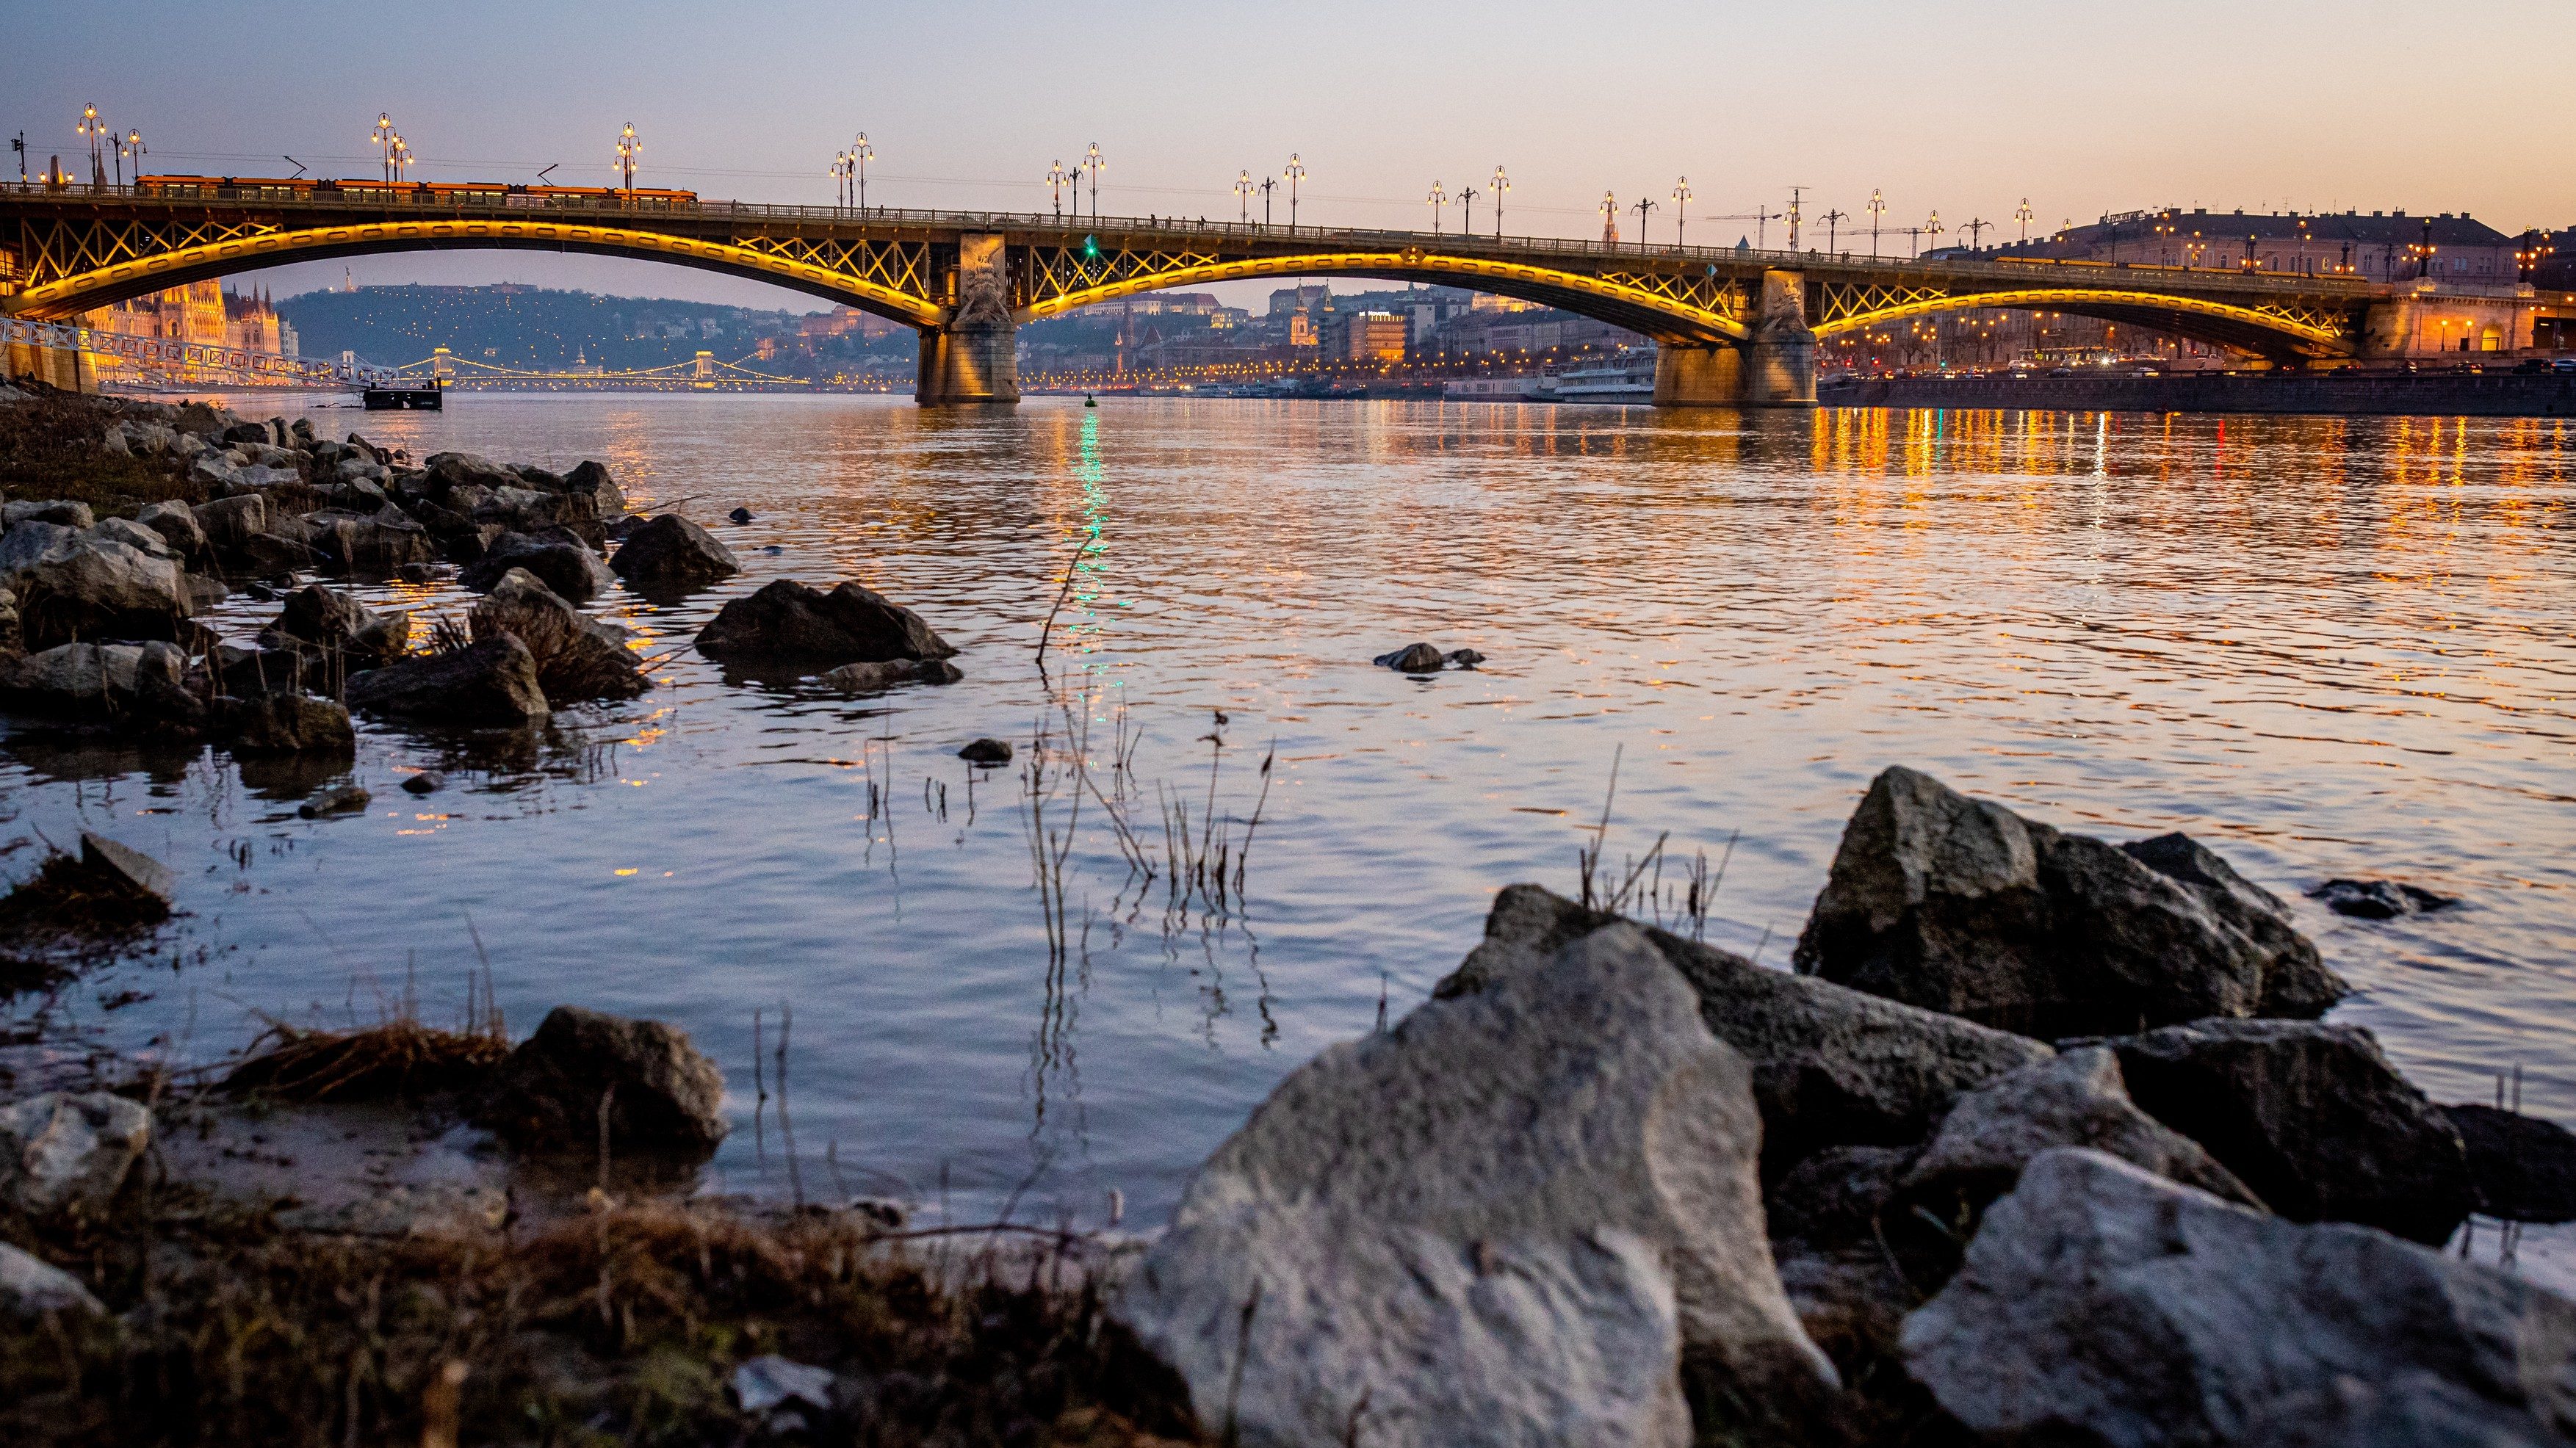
2332,646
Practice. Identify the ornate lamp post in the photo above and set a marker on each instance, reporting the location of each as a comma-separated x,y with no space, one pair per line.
1268,184
1437,199
1642,207
1055,186
1495,188
841,172
1467,199
1681,210
1833,224
1609,209
2022,215
1092,163
91,129
134,148
862,153
1876,208
627,147
401,158
1295,173
1934,226
1243,189
383,136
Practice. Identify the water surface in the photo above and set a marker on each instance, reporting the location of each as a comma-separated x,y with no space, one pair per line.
2327,646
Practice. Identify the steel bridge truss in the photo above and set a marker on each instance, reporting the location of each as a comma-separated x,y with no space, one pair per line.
2272,323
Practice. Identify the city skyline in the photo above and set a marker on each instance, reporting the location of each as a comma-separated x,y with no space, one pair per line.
1936,108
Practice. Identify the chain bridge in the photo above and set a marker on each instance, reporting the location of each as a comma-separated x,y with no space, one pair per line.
1736,326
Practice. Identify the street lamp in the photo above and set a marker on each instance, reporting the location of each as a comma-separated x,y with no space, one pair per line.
1642,207
91,129
1243,189
1495,188
383,136
1609,209
1295,173
627,147
1438,198
401,158
135,148
1681,210
1467,199
1055,186
1091,162
862,153
1268,185
1934,226
1833,224
2023,216
1877,208
841,173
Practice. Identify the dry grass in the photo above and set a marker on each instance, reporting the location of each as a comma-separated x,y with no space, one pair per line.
619,1328
66,899
401,1059
49,448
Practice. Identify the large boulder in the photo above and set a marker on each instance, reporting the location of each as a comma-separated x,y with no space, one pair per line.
61,512
2311,1117
1958,905
1830,1066
30,540
177,524
100,680
788,622
90,588
1513,1211
591,476
562,563
670,554
2078,1099
2102,1304
2523,1168
662,1094
372,545
578,657
230,523
31,1288
450,470
490,683
60,1150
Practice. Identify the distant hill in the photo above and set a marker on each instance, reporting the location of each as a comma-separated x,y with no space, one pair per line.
534,328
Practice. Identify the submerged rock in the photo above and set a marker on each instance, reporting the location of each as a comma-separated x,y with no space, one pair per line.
661,1093
1959,905
337,799
2311,1117
1830,1066
428,781
670,553
1520,1209
59,1150
861,678
986,752
2379,899
323,618
577,656
113,866
101,682
2522,1168
789,622
492,682
1412,659
565,565
2100,1303
287,722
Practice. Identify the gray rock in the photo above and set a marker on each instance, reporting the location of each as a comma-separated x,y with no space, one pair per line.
329,621
177,524
81,679
60,1150
272,555
492,683
30,1287
374,545
788,622
428,781
2523,1168
1412,659
29,541
124,867
2379,899
591,476
670,553
1831,1066
667,1096
864,678
2102,1304
565,566
2311,1117
984,751
459,469
89,588
335,799
1464,1230
230,522
135,536
1960,906
287,722
58,511
578,657
2077,1099
247,673
771,1381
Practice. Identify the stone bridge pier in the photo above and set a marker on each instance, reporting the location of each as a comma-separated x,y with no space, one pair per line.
973,357
1774,367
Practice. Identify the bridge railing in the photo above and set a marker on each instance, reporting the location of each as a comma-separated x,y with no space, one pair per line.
499,202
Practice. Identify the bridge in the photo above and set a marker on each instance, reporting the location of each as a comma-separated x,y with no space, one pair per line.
1735,326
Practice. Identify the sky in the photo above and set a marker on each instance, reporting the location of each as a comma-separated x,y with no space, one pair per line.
1966,109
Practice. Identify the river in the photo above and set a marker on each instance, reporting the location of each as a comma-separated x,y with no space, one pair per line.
2326,646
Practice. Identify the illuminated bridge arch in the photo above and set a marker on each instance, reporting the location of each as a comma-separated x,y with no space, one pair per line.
885,295
1639,304
2289,331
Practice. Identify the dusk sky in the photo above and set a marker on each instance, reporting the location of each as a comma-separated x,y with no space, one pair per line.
2080,107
